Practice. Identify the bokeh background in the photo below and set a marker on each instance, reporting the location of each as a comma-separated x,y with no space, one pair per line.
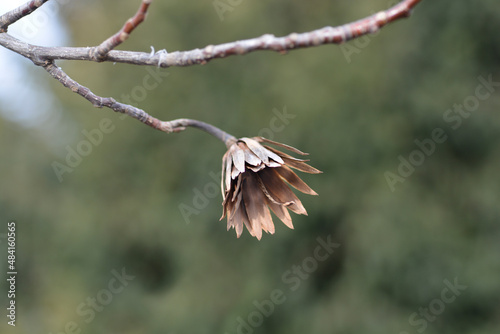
357,109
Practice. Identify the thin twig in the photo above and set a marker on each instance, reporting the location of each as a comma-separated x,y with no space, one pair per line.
99,102
327,35
223,136
121,36
18,13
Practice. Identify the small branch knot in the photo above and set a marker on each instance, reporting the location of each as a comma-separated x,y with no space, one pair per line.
96,55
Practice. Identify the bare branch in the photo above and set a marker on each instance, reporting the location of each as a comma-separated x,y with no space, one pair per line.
327,35
121,36
139,114
183,123
45,56
14,15
99,102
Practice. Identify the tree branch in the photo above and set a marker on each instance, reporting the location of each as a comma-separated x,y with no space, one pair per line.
45,56
326,35
18,13
139,114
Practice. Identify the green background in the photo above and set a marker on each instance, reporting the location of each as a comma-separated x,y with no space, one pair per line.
358,110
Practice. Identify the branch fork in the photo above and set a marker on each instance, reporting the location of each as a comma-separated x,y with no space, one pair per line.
46,56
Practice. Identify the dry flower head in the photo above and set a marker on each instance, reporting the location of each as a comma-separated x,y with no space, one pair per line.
254,179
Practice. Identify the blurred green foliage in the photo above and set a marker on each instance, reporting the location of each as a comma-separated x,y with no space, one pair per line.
355,113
